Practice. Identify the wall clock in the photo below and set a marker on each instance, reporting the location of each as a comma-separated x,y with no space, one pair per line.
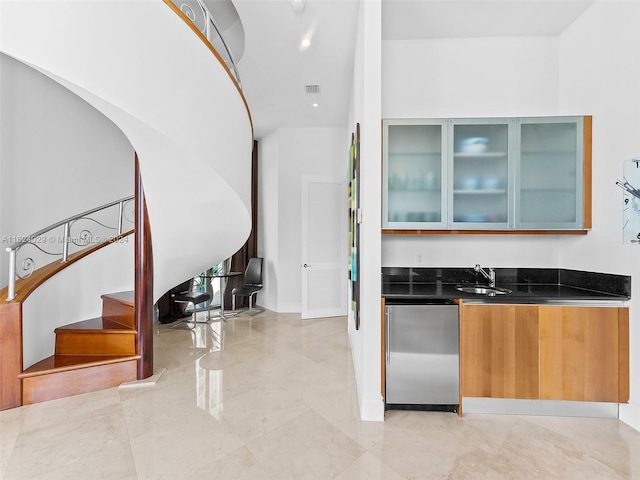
631,201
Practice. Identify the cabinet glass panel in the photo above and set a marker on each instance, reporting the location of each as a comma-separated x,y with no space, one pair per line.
414,174
548,173
480,173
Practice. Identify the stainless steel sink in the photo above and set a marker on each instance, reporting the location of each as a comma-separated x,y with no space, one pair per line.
483,290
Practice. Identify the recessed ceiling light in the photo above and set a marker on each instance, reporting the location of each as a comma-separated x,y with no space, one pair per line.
307,38
315,105
297,5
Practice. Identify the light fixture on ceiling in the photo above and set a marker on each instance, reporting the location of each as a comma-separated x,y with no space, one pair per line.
297,5
312,89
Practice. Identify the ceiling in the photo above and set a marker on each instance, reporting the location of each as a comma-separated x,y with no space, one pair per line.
275,69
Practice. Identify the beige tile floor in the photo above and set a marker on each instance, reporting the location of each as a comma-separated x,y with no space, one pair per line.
273,397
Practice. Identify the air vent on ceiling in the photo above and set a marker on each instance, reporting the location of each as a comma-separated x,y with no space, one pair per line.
312,88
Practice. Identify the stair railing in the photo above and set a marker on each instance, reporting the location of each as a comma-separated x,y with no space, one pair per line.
90,228
198,13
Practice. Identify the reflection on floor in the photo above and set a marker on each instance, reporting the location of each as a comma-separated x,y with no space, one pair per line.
273,397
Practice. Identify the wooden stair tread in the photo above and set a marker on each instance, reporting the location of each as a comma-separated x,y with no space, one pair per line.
126,298
95,325
64,363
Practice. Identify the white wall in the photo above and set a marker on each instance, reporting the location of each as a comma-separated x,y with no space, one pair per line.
468,77
599,72
287,155
59,156
366,110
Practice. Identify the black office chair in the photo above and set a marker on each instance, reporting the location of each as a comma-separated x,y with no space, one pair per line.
252,283
184,293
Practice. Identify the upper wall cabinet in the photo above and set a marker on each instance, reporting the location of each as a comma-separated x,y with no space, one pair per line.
487,175
415,173
549,173
479,166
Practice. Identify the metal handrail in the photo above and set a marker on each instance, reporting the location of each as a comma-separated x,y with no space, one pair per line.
40,238
209,22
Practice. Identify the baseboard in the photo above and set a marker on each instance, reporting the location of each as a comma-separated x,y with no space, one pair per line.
630,414
507,406
371,407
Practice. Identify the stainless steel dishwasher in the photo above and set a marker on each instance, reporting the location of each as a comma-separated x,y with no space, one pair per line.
422,356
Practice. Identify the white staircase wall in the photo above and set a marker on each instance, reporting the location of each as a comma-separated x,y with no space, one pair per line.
139,64
49,138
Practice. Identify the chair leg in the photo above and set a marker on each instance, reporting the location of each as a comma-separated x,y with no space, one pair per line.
193,316
233,303
250,304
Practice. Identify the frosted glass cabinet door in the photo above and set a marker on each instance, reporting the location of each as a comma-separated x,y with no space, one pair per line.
549,173
413,174
479,173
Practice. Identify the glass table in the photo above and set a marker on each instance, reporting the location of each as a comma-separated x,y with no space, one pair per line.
224,278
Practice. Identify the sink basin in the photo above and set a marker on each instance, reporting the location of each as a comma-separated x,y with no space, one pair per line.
483,290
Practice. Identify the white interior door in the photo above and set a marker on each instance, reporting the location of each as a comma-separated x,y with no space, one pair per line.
324,247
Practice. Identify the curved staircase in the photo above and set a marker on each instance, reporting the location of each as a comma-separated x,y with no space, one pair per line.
144,66
89,355
140,64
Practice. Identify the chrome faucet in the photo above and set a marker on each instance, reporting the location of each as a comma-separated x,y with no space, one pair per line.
491,276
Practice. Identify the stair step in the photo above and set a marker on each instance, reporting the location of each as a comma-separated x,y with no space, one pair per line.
65,363
126,297
119,307
98,324
64,375
96,336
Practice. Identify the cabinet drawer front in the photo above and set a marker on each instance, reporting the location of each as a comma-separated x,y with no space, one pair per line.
579,353
499,351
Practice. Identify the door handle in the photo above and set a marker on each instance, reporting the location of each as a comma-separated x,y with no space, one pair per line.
306,266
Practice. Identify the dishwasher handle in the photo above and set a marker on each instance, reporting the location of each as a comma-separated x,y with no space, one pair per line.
387,334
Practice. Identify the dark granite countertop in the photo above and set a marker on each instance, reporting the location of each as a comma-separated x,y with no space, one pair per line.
528,285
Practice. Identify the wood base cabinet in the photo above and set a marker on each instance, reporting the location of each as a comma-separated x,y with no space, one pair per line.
545,352
499,351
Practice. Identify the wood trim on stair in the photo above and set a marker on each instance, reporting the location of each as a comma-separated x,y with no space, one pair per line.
65,363
73,381
10,355
143,304
96,341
